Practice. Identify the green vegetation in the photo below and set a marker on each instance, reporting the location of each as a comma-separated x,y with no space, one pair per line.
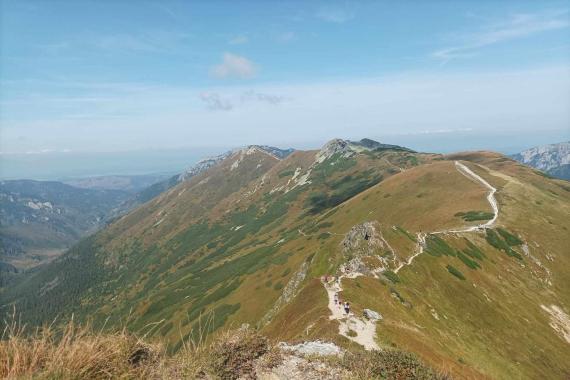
388,364
471,216
454,271
392,276
495,240
510,239
436,246
286,173
473,251
408,234
343,190
467,261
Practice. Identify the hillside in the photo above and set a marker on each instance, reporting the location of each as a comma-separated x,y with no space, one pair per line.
553,159
462,257
129,183
40,219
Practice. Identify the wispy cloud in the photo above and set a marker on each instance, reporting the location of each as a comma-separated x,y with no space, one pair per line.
215,101
240,39
234,66
335,15
515,27
218,102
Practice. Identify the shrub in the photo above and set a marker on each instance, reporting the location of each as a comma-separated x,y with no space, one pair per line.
436,246
471,216
286,173
495,240
473,251
392,276
467,261
454,271
233,353
510,239
388,364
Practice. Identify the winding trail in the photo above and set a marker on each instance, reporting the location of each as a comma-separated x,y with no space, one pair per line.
365,329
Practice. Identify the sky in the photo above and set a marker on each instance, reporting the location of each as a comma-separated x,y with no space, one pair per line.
81,77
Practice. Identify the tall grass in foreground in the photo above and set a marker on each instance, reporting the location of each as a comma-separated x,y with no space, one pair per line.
74,351
80,352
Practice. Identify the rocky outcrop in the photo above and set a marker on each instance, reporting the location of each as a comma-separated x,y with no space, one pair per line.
333,147
366,251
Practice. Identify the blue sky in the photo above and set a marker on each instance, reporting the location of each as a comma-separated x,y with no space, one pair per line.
99,76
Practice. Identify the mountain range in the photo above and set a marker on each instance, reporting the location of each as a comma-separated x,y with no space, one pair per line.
553,159
458,258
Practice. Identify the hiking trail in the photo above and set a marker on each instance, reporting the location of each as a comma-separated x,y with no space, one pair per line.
365,329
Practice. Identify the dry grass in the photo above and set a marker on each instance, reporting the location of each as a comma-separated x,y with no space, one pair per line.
80,352
73,352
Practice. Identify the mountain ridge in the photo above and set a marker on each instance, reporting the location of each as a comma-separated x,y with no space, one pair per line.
249,239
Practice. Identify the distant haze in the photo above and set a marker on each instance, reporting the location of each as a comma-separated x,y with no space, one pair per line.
61,166
171,81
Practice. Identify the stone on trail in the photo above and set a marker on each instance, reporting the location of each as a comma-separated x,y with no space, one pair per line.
372,315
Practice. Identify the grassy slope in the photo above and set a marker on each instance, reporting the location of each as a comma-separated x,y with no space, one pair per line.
180,255
491,324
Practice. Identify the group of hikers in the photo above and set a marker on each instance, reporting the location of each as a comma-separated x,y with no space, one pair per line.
344,305
337,301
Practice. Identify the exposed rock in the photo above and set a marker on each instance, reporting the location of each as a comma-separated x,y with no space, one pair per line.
336,146
298,368
372,315
366,250
288,293
203,165
553,159
313,348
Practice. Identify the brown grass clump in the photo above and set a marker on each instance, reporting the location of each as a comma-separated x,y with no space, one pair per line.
389,364
73,352
233,353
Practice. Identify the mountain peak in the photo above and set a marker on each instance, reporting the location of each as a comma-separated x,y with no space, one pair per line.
349,148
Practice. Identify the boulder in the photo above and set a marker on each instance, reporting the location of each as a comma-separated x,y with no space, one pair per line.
372,315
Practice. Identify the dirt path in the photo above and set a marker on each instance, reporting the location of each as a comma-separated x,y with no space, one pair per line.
490,197
365,330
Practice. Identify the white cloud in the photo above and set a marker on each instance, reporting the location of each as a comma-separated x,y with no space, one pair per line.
335,15
234,66
239,40
516,26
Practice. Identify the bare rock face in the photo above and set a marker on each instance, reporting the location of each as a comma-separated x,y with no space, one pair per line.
366,250
336,146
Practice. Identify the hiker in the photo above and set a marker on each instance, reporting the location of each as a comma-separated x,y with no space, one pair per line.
347,308
336,298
